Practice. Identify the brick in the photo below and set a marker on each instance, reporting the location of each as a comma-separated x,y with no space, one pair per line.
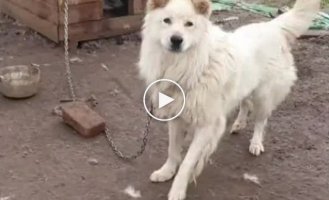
83,119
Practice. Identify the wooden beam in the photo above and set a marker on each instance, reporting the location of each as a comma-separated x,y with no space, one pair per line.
102,28
136,7
41,25
73,2
87,11
40,8
50,2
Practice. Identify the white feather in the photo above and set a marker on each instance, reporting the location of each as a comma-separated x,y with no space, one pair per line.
132,192
252,178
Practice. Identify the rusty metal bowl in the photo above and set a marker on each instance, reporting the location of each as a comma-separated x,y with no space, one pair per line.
19,81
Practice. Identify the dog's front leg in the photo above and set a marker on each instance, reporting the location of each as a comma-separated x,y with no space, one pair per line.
203,145
176,141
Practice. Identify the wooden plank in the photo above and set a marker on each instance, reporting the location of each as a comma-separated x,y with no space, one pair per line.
83,12
75,2
53,3
40,25
71,2
86,11
103,28
40,8
136,7
50,2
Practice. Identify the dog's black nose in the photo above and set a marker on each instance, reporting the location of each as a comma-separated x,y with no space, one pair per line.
176,41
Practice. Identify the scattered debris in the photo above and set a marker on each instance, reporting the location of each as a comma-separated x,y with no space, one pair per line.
119,40
231,18
105,67
27,148
114,92
25,154
92,101
91,45
228,19
35,65
132,192
92,161
6,198
255,197
57,111
251,178
76,60
20,32
135,38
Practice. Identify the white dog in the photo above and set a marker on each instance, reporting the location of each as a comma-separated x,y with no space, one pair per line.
252,67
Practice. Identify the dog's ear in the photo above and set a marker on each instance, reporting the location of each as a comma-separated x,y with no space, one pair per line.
202,7
154,4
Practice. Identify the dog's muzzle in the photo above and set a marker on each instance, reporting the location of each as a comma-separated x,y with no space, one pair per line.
176,43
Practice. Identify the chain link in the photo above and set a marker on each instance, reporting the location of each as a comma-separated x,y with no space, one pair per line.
74,97
142,147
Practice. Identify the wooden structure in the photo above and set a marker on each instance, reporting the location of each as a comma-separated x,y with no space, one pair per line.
87,19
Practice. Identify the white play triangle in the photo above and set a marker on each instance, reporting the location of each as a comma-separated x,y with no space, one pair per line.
164,100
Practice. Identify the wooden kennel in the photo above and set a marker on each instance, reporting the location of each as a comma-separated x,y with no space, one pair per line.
87,18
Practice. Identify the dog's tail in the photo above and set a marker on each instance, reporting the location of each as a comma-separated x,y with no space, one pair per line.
297,21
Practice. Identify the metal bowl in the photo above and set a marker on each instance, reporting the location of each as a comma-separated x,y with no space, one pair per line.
19,81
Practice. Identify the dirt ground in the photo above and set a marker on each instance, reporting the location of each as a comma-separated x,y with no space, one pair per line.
42,159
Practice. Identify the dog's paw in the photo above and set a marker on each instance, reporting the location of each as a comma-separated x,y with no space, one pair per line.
164,174
237,127
177,194
256,148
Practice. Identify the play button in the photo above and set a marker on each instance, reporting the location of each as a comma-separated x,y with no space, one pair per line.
164,100
167,98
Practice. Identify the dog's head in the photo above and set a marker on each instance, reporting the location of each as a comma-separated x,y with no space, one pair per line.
177,25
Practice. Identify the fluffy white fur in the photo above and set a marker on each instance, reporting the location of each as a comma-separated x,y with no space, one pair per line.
251,67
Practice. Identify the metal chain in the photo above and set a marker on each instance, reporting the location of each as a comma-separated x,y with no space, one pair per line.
142,147
108,134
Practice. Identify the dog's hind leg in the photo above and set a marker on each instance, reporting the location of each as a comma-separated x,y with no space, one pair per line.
265,100
203,145
241,121
176,141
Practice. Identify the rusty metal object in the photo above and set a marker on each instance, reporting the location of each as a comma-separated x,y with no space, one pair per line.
19,81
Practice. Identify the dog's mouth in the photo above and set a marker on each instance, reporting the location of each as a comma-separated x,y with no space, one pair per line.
175,50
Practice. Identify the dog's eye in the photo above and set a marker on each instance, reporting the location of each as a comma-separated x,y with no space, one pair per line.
167,20
189,24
